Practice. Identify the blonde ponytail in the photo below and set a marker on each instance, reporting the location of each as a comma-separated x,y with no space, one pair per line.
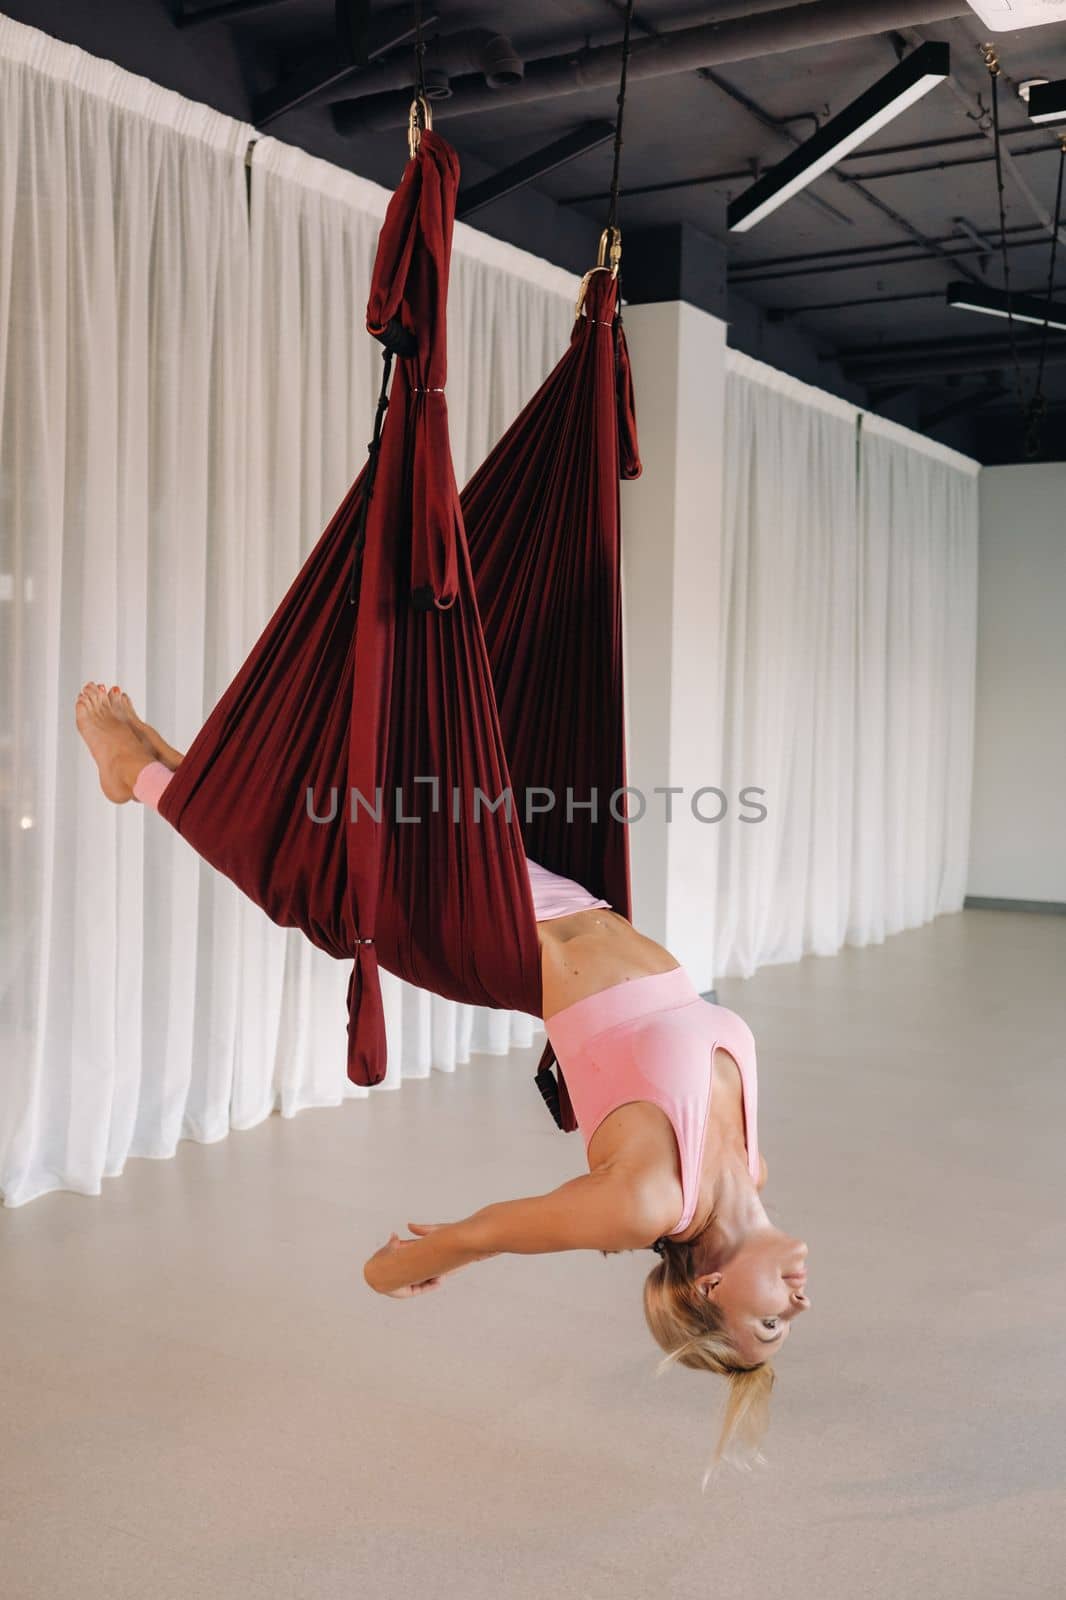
688,1326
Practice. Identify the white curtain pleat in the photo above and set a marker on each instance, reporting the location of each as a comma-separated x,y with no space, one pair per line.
845,675
186,389
788,556
918,621
122,461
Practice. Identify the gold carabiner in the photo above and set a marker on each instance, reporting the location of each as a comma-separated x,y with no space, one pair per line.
609,254
418,118
608,257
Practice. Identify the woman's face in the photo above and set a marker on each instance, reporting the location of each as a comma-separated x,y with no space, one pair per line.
760,1291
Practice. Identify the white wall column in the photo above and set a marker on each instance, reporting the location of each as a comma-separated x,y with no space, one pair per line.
671,522
1018,843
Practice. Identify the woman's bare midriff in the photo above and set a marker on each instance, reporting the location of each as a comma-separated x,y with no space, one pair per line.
590,951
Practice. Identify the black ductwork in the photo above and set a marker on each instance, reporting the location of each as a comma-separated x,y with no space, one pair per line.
684,50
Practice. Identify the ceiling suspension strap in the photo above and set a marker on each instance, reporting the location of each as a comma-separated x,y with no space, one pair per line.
614,238
1037,408
992,63
609,255
421,117
1034,406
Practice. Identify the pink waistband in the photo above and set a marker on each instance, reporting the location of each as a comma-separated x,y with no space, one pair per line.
570,1029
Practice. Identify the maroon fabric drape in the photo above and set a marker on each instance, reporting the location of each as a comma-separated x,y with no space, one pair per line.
349,721
543,524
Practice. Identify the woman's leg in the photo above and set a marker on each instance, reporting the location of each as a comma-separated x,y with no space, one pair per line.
122,753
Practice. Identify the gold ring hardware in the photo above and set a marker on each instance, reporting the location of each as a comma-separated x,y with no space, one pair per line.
419,117
608,258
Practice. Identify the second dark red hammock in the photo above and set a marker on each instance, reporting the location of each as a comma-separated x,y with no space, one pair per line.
354,778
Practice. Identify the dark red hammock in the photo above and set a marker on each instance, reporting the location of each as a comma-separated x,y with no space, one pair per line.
347,713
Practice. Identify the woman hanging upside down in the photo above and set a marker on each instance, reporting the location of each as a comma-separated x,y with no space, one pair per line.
664,1089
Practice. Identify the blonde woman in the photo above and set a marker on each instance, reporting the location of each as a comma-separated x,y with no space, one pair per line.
663,1086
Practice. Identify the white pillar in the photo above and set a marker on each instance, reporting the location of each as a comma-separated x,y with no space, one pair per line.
671,519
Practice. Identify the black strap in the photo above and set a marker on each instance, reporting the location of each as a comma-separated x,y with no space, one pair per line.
548,1085
1034,406
373,451
612,212
993,71
1037,408
420,54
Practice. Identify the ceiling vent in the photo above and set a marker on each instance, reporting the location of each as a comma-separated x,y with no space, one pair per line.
1003,16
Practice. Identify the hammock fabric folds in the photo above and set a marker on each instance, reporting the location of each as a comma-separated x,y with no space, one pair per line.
364,777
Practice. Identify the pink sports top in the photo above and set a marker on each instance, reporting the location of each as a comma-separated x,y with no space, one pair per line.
654,1039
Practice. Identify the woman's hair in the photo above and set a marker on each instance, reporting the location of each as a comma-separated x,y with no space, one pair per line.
688,1326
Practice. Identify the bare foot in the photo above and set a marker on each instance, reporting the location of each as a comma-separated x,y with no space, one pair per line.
122,705
118,750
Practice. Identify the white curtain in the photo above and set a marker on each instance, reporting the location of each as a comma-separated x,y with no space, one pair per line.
917,621
186,391
844,674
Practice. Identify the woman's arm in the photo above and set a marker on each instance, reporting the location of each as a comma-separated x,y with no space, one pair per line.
598,1211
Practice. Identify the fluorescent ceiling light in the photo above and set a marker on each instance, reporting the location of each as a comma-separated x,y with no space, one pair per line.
1001,15
993,303
1047,102
898,89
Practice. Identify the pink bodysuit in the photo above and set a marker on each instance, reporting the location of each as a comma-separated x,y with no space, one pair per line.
653,1039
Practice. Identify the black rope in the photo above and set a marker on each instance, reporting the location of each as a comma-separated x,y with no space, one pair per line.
612,213
420,54
993,72
1037,408
373,451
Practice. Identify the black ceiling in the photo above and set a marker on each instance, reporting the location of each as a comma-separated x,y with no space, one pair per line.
844,285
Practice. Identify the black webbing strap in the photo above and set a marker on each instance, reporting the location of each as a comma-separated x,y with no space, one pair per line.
373,450
548,1085
398,341
612,210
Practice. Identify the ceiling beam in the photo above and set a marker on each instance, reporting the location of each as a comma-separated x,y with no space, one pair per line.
964,406
326,70
990,357
748,272
739,38
223,12
745,172
589,136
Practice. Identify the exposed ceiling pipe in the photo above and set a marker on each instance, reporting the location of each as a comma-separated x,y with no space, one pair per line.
741,38
474,50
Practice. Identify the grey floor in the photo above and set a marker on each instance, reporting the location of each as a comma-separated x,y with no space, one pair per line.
201,1399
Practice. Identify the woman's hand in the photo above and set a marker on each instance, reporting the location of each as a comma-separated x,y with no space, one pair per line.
389,1273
